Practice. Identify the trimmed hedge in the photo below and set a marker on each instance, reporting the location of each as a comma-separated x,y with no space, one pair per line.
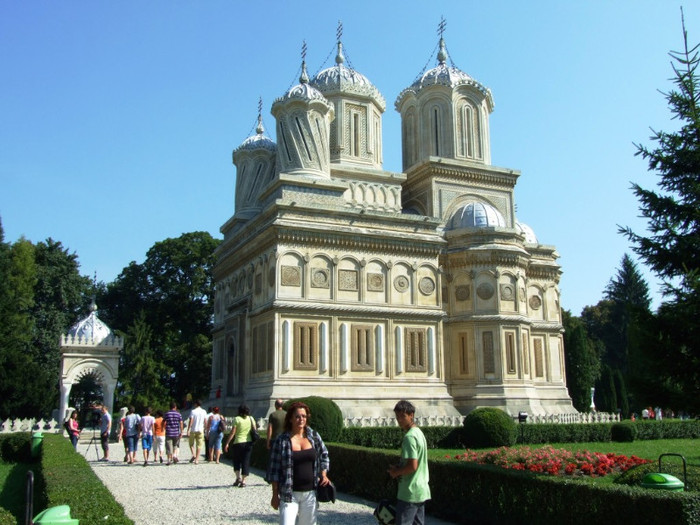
326,417
16,447
470,493
69,480
489,427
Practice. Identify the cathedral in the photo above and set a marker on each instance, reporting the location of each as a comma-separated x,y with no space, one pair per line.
336,278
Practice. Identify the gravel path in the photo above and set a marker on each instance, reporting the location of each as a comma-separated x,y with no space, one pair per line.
204,493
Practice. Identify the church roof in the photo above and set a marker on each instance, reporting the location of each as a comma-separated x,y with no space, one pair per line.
526,232
444,75
91,328
476,214
340,78
257,141
302,91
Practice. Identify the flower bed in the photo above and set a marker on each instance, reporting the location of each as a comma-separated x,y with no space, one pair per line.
553,461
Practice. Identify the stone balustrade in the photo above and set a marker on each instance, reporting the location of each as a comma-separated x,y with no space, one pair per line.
52,426
30,425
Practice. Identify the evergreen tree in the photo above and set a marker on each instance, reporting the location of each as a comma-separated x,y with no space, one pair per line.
61,297
22,382
672,249
582,362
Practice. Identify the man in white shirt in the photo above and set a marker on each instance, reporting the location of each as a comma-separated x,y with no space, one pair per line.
195,429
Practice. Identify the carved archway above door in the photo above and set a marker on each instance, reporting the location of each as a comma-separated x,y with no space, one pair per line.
89,348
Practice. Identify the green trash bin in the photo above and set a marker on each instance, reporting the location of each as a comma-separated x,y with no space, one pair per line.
37,438
661,481
55,516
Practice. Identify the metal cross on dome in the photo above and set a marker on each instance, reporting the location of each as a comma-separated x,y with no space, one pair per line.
303,51
441,26
339,31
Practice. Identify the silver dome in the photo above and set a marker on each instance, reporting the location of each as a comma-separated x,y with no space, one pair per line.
476,215
341,78
444,75
526,232
302,91
258,141
91,329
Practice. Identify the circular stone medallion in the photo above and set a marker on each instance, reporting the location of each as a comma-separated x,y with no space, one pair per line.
485,291
535,302
401,283
426,286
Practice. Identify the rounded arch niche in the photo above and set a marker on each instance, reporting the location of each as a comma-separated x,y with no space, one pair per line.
89,349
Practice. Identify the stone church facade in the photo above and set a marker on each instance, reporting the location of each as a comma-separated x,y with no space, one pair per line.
339,279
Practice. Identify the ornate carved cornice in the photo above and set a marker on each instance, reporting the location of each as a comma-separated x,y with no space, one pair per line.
388,312
464,173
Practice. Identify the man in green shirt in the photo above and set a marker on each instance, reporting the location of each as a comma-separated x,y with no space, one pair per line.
412,471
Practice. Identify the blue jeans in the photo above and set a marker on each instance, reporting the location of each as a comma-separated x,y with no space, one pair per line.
410,513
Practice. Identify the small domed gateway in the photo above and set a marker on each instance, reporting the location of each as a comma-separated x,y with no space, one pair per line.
339,279
90,348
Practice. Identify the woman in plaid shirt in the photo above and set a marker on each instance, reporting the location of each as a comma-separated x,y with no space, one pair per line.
298,464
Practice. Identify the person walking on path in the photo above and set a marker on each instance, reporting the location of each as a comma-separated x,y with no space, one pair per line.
105,428
131,432
173,433
158,437
147,423
275,423
412,471
299,463
195,431
216,427
242,444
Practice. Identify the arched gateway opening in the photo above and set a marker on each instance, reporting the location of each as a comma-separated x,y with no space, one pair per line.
90,358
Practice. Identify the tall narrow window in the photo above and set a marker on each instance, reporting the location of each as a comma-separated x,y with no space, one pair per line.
464,354
469,131
362,345
526,354
303,137
436,132
270,350
539,358
489,357
283,134
356,135
510,352
305,346
415,349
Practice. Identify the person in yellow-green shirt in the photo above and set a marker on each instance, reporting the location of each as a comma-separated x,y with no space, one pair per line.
241,434
412,471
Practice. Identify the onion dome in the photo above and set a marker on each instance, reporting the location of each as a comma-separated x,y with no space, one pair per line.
91,329
343,79
303,91
476,215
444,75
526,232
259,141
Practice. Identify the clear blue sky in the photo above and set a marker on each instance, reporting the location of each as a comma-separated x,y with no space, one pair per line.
117,119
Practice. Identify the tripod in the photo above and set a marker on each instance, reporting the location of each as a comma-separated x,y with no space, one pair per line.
93,441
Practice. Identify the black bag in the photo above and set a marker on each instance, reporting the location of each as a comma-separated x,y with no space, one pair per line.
254,436
385,512
221,429
325,493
